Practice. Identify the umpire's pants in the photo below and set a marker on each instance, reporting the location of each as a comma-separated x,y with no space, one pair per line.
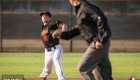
96,60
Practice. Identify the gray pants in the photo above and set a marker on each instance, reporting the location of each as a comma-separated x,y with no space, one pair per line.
96,60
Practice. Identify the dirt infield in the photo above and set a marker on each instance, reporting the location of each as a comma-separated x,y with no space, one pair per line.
72,79
69,79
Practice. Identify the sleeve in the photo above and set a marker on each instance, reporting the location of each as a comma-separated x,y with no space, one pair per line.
98,18
71,33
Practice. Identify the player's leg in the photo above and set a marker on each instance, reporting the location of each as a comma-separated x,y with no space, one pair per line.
48,64
90,61
57,62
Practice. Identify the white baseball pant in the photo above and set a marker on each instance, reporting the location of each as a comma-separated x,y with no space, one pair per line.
51,57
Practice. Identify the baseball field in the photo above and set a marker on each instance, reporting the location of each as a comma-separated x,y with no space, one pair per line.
31,64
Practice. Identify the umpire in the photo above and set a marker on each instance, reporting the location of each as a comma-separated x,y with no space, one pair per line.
93,26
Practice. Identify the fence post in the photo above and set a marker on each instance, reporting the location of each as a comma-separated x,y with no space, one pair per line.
71,41
1,9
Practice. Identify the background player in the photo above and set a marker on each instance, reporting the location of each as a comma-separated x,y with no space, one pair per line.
53,49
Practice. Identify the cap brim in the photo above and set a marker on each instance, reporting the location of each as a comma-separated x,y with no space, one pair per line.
42,14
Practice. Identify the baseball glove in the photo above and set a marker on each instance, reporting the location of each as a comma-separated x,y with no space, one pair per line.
45,31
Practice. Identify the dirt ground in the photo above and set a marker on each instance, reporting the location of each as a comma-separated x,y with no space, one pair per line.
69,79
72,79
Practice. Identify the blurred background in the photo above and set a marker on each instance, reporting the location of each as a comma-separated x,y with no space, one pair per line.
20,24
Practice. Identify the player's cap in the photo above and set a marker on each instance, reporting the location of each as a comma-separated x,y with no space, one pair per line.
46,12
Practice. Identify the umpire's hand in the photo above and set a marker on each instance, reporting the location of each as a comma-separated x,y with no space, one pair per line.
98,45
57,34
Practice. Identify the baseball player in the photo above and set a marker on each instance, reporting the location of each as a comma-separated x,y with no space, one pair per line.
53,49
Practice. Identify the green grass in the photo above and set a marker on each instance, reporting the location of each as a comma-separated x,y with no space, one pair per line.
31,64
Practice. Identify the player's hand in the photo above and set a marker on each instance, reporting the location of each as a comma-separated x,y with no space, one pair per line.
57,34
98,45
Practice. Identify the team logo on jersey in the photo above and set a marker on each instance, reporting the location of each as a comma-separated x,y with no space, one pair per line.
132,78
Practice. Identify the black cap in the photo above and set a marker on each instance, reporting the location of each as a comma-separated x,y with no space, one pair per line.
46,12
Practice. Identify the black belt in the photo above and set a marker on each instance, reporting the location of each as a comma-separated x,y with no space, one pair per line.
50,48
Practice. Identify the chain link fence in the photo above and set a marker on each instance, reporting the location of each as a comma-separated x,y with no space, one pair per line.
20,24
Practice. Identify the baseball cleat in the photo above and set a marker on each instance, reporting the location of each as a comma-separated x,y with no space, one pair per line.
43,79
